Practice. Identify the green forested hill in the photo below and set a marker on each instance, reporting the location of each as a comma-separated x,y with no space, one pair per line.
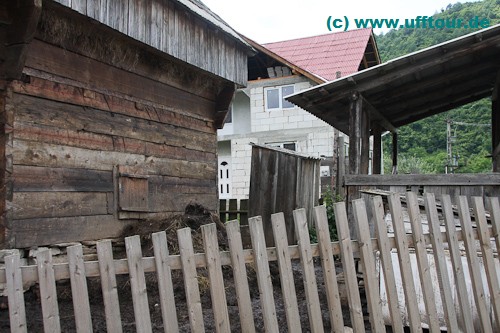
422,145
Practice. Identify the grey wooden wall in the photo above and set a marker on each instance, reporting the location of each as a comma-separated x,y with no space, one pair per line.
281,181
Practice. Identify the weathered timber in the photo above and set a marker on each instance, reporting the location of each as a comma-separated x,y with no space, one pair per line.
48,58
46,155
28,205
377,150
424,180
40,179
76,118
81,94
22,18
46,231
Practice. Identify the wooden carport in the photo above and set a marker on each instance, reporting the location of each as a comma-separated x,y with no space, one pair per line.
407,89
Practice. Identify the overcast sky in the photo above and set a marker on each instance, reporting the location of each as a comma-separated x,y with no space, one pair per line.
274,20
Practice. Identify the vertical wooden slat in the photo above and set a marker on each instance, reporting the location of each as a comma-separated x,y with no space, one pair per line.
306,260
495,220
48,293
350,276
190,280
263,274
456,261
329,273
165,286
17,310
422,261
474,270
138,284
108,285
449,312
487,252
286,272
368,265
79,289
387,265
472,259
240,277
217,290
404,263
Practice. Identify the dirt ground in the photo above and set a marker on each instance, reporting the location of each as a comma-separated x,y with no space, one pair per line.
194,217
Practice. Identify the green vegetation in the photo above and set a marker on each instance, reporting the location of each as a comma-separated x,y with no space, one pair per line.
329,199
422,145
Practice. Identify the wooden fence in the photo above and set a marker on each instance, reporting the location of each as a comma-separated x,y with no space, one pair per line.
455,303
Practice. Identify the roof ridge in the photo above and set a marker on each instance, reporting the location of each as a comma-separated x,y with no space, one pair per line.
321,35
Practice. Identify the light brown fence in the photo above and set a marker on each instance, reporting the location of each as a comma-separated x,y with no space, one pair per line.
477,238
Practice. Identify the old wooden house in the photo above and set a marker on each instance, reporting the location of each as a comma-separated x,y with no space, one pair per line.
109,114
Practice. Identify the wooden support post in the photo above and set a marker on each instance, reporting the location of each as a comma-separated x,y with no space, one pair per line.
355,109
394,153
365,140
377,149
495,126
341,168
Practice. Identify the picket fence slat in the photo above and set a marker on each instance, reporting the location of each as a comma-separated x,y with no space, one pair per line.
17,310
487,254
329,273
190,280
79,289
263,274
404,263
368,266
286,272
350,277
307,263
217,290
386,261
495,220
422,261
48,293
240,277
108,285
138,284
165,286
474,268
458,269
443,275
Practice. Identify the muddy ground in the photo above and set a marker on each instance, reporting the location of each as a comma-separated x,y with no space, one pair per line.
194,217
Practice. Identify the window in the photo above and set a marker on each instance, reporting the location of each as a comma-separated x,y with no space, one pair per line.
286,145
274,97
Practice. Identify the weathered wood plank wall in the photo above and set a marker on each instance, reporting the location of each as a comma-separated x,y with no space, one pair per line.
281,181
171,28
104,131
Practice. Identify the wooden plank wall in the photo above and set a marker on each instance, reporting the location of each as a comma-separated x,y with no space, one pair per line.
282,182
171,28
82,127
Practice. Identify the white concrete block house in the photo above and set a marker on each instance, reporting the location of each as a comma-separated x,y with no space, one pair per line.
261,115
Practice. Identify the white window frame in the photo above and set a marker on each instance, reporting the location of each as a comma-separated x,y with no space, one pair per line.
280,94
282,144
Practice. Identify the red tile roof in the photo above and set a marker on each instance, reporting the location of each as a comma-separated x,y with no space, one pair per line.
325,55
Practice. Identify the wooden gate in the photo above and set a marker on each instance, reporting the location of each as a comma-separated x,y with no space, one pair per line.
475,235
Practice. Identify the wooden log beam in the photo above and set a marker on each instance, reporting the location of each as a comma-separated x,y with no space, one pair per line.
394,153
22,17
377,149
495,119
355,110
222,104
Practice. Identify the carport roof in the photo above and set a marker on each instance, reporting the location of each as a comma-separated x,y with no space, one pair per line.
415,86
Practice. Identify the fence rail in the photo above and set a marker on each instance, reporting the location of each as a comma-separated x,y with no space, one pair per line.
478,241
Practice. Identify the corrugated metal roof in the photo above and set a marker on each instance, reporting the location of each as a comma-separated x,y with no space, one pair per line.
325,55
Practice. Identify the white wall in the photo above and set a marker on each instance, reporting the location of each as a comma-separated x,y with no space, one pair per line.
311,135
